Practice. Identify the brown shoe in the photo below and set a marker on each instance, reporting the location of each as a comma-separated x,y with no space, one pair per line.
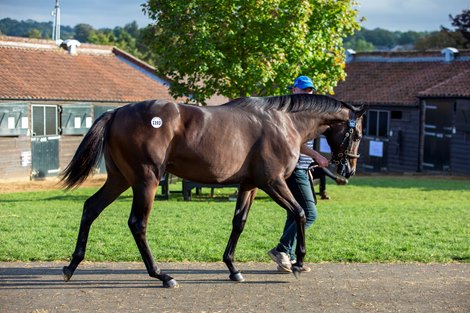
324,196
341,180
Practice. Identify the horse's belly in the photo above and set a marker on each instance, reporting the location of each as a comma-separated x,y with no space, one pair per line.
203,172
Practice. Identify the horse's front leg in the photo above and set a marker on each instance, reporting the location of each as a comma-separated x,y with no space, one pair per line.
280,192
141,206
245,198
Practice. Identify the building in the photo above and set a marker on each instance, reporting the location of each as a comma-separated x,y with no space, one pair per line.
418,117
49,97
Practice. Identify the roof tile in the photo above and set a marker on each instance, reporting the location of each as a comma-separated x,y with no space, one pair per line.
40,70
401,82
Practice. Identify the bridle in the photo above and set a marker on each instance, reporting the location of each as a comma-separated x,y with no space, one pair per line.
343,157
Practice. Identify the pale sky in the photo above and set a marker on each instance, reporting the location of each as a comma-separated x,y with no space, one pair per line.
401,15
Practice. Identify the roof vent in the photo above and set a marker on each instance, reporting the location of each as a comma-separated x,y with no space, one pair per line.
350,53
449,54
70,45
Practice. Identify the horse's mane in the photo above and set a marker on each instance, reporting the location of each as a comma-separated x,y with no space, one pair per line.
292,103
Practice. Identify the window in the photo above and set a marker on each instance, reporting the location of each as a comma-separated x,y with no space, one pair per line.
14,119
377,123
396,115
76,119
45,122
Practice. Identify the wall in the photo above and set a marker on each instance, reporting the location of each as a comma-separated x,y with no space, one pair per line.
15,157
400,147
403,144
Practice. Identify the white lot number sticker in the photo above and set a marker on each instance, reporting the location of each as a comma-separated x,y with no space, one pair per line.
156,122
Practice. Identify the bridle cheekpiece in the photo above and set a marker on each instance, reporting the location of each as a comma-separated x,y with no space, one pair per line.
342,157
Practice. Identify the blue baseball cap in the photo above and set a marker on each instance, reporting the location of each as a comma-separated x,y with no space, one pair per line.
303,82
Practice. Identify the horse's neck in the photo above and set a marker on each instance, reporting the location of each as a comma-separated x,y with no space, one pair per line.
311,124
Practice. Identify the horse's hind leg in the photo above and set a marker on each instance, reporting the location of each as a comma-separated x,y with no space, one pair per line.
142,202
112,188
244,200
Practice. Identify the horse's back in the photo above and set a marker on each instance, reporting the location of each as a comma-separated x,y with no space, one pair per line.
206,144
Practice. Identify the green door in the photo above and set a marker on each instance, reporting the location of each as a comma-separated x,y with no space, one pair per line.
44,141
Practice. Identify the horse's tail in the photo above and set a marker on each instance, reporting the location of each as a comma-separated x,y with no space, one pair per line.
88,154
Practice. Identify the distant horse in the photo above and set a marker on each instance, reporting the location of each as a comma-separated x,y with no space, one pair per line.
254,142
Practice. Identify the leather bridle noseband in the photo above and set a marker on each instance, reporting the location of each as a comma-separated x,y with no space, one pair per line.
343,157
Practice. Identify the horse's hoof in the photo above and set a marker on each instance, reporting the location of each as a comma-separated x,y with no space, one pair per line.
67,273
170,284
237,277
296,271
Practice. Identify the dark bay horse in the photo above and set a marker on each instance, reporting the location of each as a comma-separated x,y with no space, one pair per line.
254,142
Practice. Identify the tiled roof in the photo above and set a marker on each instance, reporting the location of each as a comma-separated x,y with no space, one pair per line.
456,86
38,69
400,78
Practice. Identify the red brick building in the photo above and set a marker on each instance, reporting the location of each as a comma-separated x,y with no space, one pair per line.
418,109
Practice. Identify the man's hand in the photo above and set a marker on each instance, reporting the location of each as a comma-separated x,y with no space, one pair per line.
321,160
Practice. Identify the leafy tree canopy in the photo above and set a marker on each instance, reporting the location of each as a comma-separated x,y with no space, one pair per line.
462,24
459,38
252,47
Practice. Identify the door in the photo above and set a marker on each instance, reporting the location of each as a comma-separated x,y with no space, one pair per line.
376,140
44,141
437,135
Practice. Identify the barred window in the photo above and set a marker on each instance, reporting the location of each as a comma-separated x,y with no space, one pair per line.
377,123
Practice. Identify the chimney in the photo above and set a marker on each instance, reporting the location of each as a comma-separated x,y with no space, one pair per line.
70,45
449,54
350,53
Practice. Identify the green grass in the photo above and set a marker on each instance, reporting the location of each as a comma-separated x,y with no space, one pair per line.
373,219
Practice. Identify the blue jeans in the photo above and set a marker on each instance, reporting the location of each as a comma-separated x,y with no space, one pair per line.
299,185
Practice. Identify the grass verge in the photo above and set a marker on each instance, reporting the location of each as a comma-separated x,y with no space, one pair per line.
373,219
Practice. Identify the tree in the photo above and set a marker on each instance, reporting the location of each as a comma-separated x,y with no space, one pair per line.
459,38
359,45
409,37
34,33
83,32
462,23
253,47
132,29
440,39
380,37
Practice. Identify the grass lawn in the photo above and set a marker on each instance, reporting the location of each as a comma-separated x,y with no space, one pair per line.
373,219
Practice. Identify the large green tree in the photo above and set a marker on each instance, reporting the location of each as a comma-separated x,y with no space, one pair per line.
251,47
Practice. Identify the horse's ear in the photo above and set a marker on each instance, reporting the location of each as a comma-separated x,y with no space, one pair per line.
327,131
360,111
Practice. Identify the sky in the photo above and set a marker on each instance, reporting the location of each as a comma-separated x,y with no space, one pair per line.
393,15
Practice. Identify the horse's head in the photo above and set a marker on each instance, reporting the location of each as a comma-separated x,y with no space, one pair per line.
344,139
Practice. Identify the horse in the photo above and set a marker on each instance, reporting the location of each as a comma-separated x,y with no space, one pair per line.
254,142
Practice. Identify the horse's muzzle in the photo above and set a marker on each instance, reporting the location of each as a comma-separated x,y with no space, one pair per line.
345,170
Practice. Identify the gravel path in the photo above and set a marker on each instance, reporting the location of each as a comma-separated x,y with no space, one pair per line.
205,287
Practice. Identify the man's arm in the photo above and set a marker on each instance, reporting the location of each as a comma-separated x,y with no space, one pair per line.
317,157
